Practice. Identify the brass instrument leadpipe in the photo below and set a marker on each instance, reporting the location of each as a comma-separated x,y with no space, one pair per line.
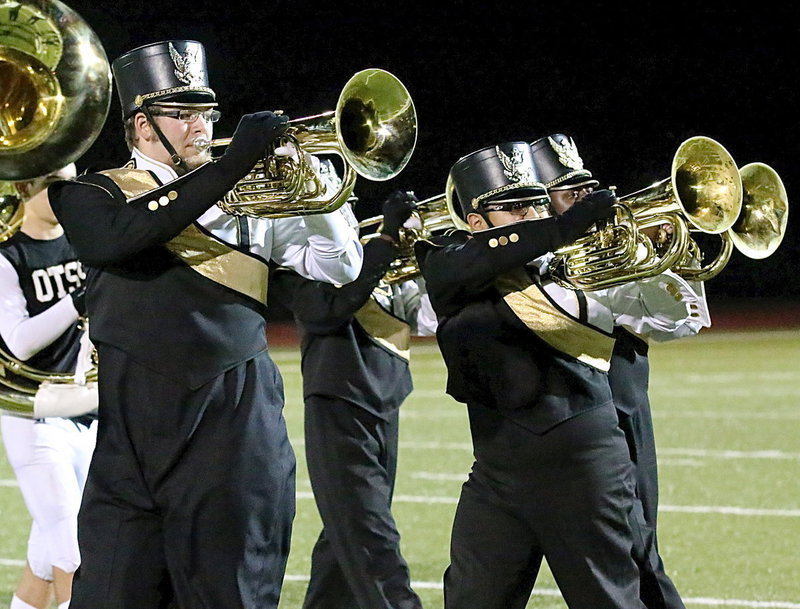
202,143
424,204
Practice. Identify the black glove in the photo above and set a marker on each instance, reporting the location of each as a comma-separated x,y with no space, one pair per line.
250,141
396,210
578,218
79,300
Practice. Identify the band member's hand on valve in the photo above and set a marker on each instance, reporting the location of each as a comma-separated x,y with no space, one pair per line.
294,152
253,135
396,210
598,205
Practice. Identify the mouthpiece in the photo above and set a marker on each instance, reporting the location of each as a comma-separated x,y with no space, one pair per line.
201,143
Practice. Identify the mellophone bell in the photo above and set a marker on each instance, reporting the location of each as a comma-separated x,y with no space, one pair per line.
50,117
707,194
373,130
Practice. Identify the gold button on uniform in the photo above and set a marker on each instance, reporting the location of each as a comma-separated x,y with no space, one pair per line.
152,206
492,242
503,240
163,200
172,194
513,237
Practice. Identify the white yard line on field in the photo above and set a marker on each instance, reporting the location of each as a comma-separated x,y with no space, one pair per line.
730,510
687,509
724,415
722,378
437,476
458,411
776,455
550,592
554,592
730,602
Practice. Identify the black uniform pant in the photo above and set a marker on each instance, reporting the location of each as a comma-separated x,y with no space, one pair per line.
657,589
565,495
352,461
190,496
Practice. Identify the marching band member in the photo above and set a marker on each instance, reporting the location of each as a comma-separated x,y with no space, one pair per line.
190,497
41,302
683,311
551,476
355,348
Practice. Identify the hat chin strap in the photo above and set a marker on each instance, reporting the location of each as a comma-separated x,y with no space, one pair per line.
173,155
485,215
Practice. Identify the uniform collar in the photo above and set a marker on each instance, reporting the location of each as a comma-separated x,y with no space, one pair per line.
163,172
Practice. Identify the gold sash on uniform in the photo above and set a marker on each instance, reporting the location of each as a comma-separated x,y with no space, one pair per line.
385,329
559,330
203,253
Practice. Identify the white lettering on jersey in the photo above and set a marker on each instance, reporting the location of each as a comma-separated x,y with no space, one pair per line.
42,285
57,273
73,272
57,281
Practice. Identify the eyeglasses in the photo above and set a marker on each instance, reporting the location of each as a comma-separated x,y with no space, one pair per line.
517,207
189,116
579,192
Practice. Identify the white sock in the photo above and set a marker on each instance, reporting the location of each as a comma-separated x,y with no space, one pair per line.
18,603
64,605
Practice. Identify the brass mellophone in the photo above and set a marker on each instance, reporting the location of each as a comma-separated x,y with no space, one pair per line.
373,130
706,193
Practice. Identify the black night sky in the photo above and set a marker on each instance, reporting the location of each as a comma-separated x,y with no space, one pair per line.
629,81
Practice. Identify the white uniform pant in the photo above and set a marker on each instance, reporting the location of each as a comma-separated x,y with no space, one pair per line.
50,459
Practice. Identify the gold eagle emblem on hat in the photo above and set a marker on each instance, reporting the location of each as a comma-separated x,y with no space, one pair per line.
188,68
514,165
567,153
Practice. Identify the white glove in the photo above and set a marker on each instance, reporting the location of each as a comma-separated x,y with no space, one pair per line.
64,400
294,153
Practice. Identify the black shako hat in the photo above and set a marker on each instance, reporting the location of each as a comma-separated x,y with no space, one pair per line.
503,171
557,161
168,71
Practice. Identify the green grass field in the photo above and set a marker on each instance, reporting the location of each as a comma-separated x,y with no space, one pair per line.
727,422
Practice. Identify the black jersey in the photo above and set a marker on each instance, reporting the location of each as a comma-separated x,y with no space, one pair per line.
48,270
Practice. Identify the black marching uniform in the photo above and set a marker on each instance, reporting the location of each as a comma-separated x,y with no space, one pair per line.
552,476
192,483
191,494
355,377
